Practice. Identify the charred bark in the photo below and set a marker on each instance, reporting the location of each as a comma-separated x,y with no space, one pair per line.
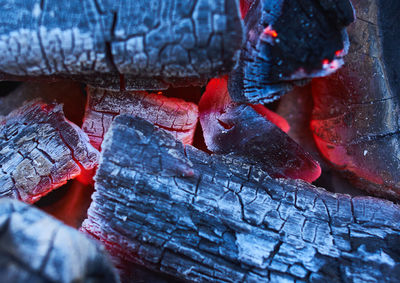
151,43
172,114
40,150
357,111
289,41
37,248
213,218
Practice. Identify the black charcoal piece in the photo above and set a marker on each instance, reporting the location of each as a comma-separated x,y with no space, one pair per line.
212,218
144,44
289,41
35,247
357,110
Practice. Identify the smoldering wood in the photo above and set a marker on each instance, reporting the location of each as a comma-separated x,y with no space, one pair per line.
356,112
288,42
214,218
153,44
40,150
175,115
239,130
35,247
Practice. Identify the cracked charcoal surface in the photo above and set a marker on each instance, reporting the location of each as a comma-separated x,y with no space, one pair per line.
214,218
40,150
35,247
356,111
153,43
175,115
287,41
239,130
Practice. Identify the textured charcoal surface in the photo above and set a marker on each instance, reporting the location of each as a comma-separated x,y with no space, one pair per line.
212,218
40,150
239,130
153,43
174,115
35,247
289,41
357,110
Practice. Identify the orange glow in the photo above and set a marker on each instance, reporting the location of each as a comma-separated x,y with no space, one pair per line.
270,32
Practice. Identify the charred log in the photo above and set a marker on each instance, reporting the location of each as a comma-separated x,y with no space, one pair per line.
37,248
213,218
174,115
40,150
152,44
239,130
289,41
357,111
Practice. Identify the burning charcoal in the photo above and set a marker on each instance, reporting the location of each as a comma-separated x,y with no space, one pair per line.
289,41
175,115
357,111
218,219
134,44
231,128
35,247
40,150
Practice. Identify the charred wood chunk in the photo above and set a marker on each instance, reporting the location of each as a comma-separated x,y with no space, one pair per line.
35,247
217,219
174,115
40,150
241,130
357,111
289,41
154,43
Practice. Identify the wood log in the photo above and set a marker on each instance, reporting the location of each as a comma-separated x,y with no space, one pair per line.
40,150
175,115
240,130
35,247
356,113
217,219
288,41
152,43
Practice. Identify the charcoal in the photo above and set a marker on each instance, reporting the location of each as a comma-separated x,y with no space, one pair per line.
287,42
239,130
35,247
40,150
175,115
203,218
356,113
138,44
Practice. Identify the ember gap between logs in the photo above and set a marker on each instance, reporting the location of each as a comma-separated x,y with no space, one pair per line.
199,140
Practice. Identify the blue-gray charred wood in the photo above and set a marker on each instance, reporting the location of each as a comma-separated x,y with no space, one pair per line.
151,43
177,210
357,110
35,247
289,41
40,150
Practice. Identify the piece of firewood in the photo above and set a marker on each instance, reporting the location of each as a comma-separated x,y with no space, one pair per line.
356,112
152,43
35,247
243,130
172,114
216,219
288,41
40,150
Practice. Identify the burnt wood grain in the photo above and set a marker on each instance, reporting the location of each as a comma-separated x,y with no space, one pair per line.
177,210
35,247
151,43
40,150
